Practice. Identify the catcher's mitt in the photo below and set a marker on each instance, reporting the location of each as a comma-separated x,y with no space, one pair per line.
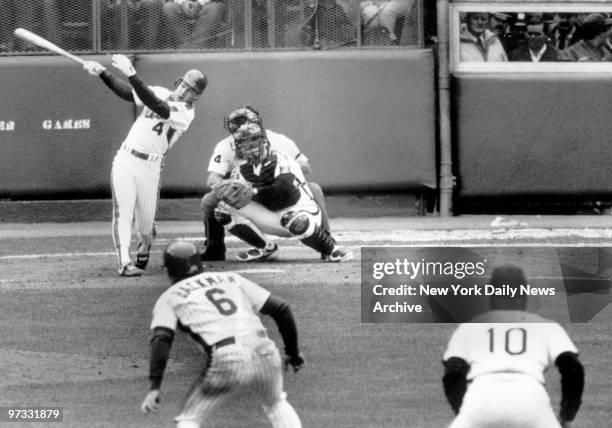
236,193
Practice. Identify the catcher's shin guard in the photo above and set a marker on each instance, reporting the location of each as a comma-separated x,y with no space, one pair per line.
320,240
298,223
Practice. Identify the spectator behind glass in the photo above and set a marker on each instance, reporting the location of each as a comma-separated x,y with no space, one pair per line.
536,47
194,24
515,36
144,19
594,30
499,23
477,42
608,46
563,31
38,16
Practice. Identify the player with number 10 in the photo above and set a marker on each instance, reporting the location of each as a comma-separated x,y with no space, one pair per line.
495,365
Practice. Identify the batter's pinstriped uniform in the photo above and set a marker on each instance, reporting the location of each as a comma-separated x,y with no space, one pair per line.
220,311
135,175
137,169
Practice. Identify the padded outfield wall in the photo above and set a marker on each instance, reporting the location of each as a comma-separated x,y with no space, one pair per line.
530,134
365,119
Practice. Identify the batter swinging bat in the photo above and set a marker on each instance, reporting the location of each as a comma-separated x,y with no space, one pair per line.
28,36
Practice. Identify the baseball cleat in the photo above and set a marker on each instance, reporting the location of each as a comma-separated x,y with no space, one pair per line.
213,253
141,261
256,254
130,270
340,255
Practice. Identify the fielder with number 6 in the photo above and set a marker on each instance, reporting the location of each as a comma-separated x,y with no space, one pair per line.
495,364
137,166
220,311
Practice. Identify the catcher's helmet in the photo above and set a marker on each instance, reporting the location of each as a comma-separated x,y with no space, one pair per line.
251,142
245,114
190,86
182,260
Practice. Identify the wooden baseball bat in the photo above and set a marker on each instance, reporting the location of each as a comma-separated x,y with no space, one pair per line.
28,36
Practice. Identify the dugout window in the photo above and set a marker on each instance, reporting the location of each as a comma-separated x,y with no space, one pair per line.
530,37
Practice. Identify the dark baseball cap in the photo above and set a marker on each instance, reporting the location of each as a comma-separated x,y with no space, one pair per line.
597,19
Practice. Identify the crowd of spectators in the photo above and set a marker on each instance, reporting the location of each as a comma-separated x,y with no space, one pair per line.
536,37
210,24
202,24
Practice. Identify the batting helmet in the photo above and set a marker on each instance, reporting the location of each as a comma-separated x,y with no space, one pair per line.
245,114
182,260
504,276
251,142
190,86
196,80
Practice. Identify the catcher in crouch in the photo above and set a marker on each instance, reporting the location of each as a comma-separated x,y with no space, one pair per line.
269,195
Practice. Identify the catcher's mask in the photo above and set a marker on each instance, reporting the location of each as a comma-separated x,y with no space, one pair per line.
182,260
190,86
251,143
237,118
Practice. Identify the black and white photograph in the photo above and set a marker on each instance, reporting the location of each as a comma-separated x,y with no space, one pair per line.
305,213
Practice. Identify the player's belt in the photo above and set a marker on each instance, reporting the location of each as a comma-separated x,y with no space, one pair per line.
140,155
232,340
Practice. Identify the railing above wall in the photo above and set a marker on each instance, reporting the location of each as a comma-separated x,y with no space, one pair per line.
99,26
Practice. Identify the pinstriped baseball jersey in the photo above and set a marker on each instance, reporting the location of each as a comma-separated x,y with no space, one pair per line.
224,159
212,305
150,134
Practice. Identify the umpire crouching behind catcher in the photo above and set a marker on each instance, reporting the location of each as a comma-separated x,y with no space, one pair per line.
220,311
225,158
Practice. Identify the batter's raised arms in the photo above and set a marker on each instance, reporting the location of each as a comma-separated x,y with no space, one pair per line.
137,166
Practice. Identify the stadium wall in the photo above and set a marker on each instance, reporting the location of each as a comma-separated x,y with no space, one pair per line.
532,134
366,119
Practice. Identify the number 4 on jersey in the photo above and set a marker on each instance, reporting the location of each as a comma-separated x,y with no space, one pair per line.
158,128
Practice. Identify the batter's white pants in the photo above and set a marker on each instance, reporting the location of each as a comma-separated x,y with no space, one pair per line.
253,365
135,189
505,400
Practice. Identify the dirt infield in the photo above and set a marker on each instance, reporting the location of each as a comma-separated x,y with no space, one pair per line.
188,209
75,335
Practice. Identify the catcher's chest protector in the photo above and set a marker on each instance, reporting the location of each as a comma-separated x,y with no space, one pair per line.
261,175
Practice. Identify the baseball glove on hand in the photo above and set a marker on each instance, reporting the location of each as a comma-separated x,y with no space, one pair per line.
235,193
